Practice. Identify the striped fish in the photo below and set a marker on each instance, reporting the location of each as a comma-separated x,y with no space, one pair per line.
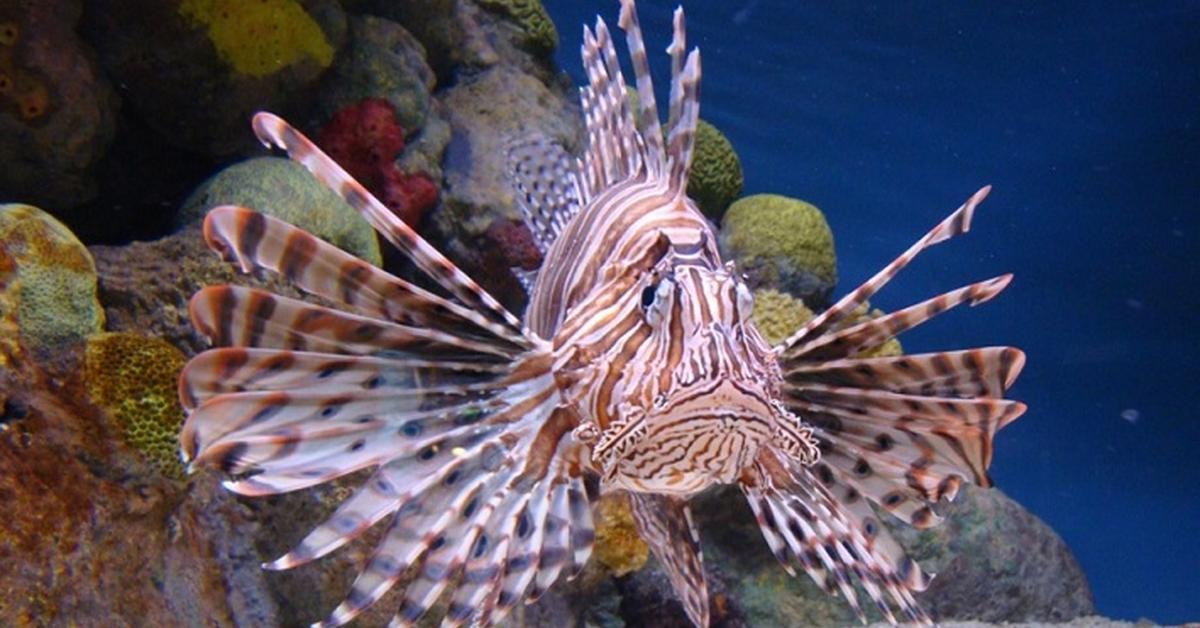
636,369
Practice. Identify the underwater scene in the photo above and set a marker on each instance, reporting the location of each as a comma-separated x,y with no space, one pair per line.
599,313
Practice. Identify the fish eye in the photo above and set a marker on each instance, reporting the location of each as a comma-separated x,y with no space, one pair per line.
648,295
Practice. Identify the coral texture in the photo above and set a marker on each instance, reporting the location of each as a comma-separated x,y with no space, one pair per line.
716,177
134,379
47,284
778,314
284,189
618,546
365,139
57,110
260,37
533,20
781,243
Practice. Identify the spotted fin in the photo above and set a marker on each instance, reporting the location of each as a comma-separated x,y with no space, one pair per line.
665,523
546,186
810,522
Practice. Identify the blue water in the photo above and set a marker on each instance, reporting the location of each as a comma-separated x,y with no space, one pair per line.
1085,116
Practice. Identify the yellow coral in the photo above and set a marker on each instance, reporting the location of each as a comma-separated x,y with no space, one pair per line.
618,546
134,379
778,314
260,37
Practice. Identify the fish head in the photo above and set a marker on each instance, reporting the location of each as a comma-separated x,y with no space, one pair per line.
699,395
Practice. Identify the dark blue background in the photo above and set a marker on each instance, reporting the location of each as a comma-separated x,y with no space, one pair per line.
1084,116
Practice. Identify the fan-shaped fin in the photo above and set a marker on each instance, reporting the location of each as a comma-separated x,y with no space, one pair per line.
256,241
837,541
546,185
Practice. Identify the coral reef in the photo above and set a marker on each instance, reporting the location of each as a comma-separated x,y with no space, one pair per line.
365,139
134,379
781,243
618,546
283,188
716,176
485,111
57,111
47,284
380,60
262,37
535,24
195,71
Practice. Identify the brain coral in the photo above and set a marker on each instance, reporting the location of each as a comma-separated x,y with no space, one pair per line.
284,189
781,243
779,315
531,16
716,177
260,37
47,283
134,378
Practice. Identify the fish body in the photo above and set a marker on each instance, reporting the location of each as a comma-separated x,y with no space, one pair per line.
637,369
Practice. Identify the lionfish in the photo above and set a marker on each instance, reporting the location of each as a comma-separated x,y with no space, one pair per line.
637,369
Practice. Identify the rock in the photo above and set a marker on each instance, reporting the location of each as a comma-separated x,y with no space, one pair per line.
47,285
145,286
486,112
57,111
285,189
380,60
995,562
86,538
196,70
781,243
537,31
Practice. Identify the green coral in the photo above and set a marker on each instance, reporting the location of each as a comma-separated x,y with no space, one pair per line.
47,283
259,37
533,20
284,189
783,243
716,176
778,315
134,378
